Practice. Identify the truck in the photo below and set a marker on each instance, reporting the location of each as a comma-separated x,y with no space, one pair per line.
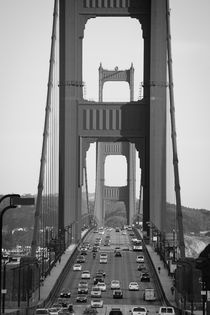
149,295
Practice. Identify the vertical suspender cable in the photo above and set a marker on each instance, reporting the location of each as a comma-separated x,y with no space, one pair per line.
86,188
173,136
45,134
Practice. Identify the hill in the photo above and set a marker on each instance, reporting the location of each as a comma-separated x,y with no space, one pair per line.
194,221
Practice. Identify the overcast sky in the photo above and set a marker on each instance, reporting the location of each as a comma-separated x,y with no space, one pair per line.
25,34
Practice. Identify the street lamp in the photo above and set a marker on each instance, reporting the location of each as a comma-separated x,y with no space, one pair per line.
4,291
15,200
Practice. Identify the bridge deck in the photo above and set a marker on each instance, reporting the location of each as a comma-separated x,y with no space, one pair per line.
165,280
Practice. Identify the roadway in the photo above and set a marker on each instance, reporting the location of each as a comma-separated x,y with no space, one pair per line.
122,268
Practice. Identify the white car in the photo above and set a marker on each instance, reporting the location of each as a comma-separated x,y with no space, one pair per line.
85,274
96,303
102,286
95,292
133,286
115,284
166,310
140,259
77,267
139,310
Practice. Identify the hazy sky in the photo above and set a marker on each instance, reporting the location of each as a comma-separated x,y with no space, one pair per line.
25,34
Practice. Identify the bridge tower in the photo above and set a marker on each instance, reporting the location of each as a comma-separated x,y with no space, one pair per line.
142,123
125,193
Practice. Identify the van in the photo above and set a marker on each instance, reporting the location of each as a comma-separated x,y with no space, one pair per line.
149,295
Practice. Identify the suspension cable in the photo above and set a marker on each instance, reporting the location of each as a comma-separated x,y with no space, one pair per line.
173,136
45,134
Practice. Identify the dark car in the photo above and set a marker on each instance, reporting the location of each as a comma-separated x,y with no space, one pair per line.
115,311
145,277
101,272
117,294
142,267
98,279
81,299
118,254
81,259
95,249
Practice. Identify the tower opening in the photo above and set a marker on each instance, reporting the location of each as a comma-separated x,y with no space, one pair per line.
115,171
113,49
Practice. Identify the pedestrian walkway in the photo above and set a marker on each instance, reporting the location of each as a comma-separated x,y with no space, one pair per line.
165,279
51,279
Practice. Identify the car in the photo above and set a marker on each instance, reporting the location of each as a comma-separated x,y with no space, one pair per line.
53,310
117,229
86,244
137,248
81,299
95,292
98,279
134,240
95,249
83,283
115,311
64,311
56,305
142,267
82,287
145,277
126,248
82,290
133,286
85,274
96,303
140,259
139,310
117,294
77,267
81,259
102,286
42,311
102,272
117,249
83,250
65,293
115,284
118,254
166,310
124,233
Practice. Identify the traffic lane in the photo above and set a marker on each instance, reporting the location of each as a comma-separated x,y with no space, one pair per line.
121,268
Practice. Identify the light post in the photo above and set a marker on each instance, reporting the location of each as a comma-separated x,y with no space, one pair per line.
185,263
14,201
4,291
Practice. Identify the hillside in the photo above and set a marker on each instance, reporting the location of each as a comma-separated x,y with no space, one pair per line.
194,221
